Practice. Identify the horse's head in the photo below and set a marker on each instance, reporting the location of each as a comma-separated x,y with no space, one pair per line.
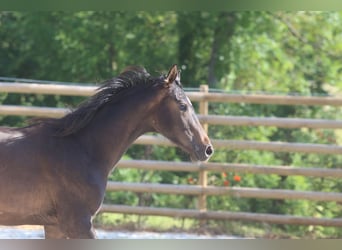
176,119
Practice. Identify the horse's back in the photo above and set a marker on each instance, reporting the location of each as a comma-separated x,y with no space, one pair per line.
21,178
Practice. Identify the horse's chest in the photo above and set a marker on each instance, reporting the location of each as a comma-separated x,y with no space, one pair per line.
86,192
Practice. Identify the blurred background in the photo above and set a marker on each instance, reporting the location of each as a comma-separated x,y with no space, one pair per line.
278,53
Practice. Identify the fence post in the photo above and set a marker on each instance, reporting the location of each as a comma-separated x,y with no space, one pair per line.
202,178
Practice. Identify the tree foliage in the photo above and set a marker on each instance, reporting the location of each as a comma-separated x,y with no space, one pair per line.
273,52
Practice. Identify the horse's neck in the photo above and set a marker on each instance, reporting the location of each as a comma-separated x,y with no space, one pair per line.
113,130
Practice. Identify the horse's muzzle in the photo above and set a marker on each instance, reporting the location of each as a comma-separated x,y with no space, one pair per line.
209,151
203,153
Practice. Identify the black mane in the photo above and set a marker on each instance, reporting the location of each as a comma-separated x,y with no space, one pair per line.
109,91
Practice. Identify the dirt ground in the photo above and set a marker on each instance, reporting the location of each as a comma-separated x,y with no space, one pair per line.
36,232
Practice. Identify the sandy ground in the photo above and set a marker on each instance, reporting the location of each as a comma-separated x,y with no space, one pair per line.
36,232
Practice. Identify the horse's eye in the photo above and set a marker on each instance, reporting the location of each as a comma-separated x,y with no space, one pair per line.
183,107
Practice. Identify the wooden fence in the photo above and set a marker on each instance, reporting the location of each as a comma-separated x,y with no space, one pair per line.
202,190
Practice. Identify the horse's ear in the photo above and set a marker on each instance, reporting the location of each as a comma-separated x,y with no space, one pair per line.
172,75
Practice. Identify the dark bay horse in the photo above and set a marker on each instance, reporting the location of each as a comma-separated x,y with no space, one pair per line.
54,171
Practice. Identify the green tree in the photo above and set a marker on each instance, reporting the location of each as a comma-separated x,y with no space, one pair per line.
274,52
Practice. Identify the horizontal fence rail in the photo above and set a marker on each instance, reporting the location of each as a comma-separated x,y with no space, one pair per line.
77,90
159,140
221,215
232,167
211,119
270,121
47,89
251,145
32,111
202,190
231,191
265,99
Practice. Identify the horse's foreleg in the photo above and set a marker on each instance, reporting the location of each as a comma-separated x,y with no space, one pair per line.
53,232
75,224
79,229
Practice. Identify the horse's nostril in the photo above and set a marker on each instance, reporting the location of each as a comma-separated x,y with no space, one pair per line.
209,150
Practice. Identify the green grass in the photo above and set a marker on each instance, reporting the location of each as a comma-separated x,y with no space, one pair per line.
111,221
151,223
338,134
124,222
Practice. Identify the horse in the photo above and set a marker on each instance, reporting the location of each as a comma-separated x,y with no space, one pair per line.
53,172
